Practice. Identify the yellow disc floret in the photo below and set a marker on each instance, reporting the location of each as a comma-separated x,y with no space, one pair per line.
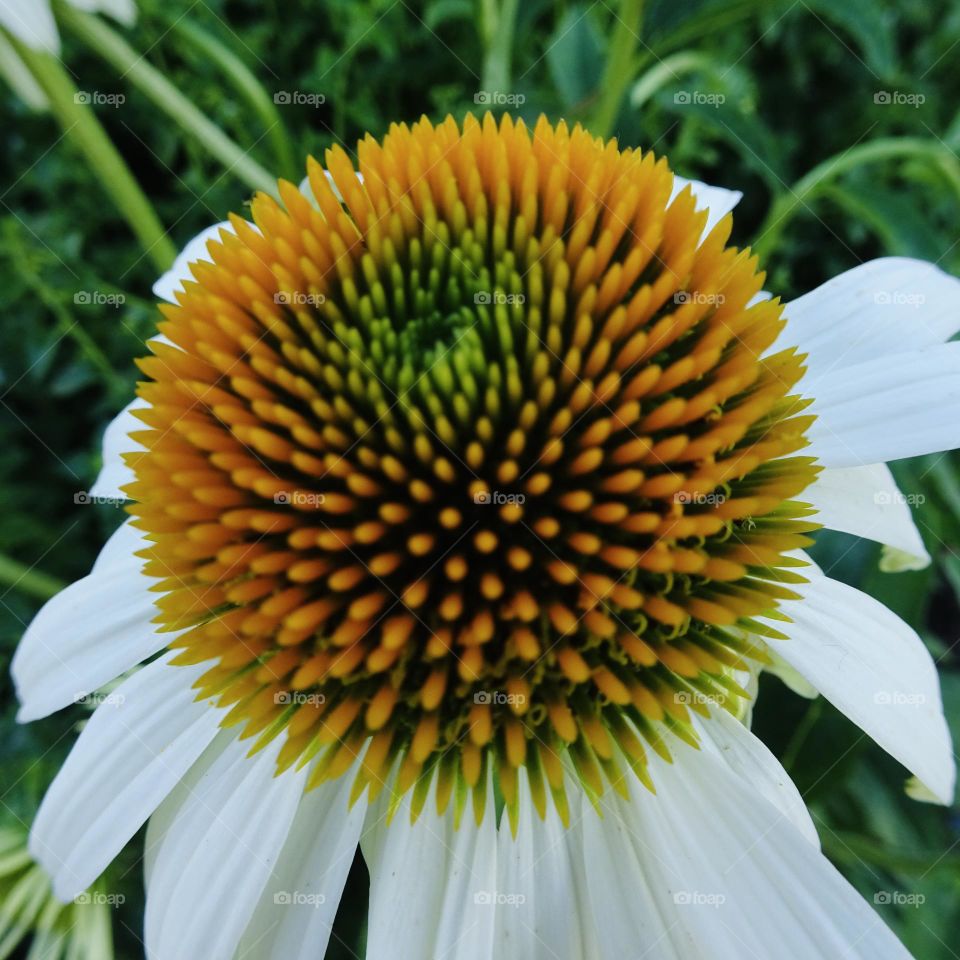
477,462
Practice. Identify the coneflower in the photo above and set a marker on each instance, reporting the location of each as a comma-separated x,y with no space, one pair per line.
484,476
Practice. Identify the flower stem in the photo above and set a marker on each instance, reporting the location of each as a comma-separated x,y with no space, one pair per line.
34,582
81,126
152,83
247,85
619,68
788,204
498,22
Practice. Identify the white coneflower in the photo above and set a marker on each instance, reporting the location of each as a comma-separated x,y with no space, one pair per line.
481,485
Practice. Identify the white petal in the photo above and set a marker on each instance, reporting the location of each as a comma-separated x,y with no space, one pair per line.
89,633
866,502
139,742
116,441
430,884
747,756
885,409
218,854
708,868
32,23
542,910
297,907
882,307
171,283
874,668
717,200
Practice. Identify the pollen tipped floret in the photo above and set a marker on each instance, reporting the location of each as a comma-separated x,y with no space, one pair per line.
480,465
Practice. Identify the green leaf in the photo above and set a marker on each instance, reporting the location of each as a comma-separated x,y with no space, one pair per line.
575,56
869,24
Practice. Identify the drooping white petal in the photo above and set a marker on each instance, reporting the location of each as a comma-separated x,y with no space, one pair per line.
896,406
89,633
542,910
748,757
717,200
295,914
142,738
709,868
218,854
866,502
171,283
114,473
430,885
886,306
874,668
32,23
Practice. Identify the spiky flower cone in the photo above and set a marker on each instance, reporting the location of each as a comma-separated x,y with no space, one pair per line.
483,467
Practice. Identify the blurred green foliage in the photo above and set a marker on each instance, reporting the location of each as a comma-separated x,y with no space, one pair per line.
748,95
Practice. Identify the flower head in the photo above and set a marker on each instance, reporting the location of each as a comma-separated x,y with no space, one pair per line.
487,474
482,462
